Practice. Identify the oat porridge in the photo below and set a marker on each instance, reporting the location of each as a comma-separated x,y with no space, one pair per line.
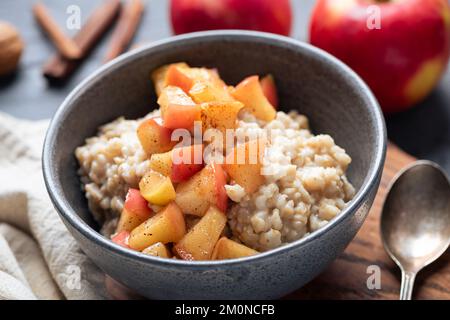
262,179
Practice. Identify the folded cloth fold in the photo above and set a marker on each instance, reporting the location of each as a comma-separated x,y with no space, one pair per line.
39,259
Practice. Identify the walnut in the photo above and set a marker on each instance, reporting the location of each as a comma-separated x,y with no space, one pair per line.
11,46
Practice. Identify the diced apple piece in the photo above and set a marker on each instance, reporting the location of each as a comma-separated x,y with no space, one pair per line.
166,226
270,90
186,161
135,211
136,204
173,95
183,76
202,92
243,164
229,249
196,195
178,110
250,93
158,249
162,163
202,190
176,77
220,115
154,137
159,76
182,117
199,242
122,238
156,188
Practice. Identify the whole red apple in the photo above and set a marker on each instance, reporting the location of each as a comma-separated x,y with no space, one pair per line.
264,15
399,47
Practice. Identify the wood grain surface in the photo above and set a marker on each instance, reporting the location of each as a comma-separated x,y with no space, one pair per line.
347,276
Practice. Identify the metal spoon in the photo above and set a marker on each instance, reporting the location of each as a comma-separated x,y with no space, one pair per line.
415,221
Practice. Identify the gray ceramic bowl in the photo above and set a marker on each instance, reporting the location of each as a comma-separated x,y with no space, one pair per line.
333,97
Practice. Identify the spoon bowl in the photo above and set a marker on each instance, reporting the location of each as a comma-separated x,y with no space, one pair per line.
415,221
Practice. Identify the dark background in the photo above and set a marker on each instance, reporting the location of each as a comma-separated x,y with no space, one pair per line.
423,131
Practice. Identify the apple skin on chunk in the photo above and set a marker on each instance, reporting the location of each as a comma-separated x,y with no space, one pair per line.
159,76
229,249
178,110
178,171
251,94
199,242
135,211
176,77
207,82
166,226
122,238
270,90
186,161
202,190
154,137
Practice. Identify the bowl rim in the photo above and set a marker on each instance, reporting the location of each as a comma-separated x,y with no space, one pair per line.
68,215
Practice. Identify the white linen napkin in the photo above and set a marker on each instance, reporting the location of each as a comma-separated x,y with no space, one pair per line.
39,259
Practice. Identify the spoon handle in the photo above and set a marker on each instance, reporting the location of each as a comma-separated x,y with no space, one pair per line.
406,289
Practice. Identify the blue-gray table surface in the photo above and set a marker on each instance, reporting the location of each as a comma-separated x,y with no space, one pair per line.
423,131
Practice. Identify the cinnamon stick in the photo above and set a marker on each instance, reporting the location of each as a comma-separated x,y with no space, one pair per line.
58,67
125,29
63,43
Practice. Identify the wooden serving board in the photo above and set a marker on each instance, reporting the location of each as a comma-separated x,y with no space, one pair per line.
346,278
